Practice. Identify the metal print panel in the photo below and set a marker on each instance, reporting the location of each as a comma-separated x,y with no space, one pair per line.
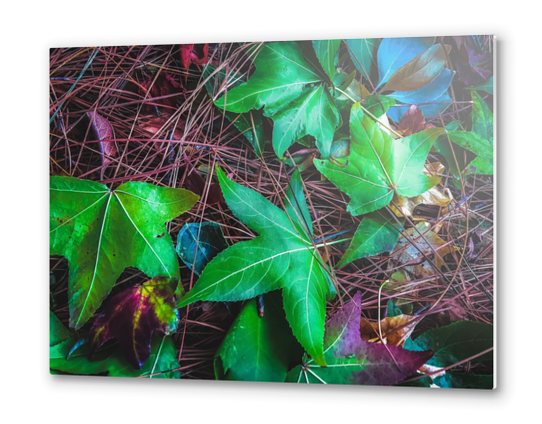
311,212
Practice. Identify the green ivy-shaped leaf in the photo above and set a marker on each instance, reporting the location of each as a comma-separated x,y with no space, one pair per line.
378,166
101,232
293,92
281,257
258,348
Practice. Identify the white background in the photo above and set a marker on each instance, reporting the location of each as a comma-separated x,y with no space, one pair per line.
30,394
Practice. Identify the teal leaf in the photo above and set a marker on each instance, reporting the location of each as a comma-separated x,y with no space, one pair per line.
377,233
455,342
326,51
432,97
363,54
197,244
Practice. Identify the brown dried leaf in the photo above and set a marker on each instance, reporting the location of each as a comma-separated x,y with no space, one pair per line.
395,330
103,132
428,244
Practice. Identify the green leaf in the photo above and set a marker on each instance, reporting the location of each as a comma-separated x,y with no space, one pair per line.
101,232
393,310
363,54
455,342
454,155
472,142
249,124
420,71
485,86
351,360
482,118
111,360
478,141
452,380
258,348
378,166
292,93
66,358
326,51
377,233
282,256
57,331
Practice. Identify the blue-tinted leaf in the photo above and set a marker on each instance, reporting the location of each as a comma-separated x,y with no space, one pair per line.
428,93
396,52
362,52
439,105
206,238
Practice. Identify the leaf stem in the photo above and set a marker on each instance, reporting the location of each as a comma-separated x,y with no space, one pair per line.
317,246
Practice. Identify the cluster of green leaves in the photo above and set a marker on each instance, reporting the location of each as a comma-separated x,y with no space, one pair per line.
306,96
101,232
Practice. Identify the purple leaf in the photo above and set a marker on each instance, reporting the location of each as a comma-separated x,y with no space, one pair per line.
133,315
103,132
351,360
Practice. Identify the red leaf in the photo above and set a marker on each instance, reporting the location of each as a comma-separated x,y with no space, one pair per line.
103,132
164,85
413,122
133,315
189,56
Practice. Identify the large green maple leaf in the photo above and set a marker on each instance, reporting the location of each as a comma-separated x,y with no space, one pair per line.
378,165
294,93
281,257
101,232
